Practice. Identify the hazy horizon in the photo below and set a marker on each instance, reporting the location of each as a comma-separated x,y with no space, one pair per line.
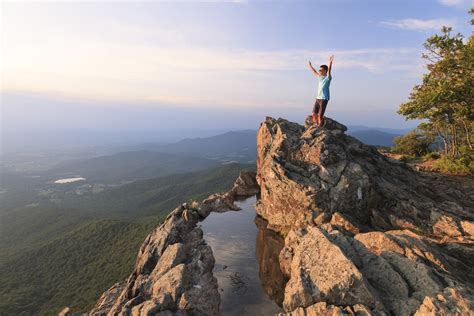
194,68
52,125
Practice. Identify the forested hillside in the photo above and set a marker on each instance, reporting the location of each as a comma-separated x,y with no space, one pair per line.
55,255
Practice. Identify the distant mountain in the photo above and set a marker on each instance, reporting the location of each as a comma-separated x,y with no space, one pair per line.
374,137
227,142
237,146
397,131
150,160
241,146
130,166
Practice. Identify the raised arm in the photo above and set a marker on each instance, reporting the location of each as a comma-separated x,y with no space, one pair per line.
331,58
313,70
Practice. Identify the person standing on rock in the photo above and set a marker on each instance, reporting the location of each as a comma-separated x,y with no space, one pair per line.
324,79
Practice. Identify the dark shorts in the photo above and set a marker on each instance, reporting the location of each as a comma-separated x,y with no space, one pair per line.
320,106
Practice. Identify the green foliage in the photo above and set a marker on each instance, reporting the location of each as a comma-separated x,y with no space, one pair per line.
133,165
147,197
446,96
27,228
454,166
70,270
413,143
432,156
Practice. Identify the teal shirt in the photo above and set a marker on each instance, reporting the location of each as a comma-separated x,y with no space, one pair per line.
323,87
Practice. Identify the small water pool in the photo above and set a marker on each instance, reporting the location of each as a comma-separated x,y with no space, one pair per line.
69,180
247,269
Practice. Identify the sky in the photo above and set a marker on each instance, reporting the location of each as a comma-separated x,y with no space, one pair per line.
202,65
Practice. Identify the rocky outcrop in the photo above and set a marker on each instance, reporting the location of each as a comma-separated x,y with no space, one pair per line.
355,233
173,270
304,172
364,234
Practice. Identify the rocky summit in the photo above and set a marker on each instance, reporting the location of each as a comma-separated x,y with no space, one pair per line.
363,234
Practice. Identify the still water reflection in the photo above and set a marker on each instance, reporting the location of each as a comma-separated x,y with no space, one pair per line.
247,270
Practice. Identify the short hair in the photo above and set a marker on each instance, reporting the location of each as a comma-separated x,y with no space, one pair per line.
325,67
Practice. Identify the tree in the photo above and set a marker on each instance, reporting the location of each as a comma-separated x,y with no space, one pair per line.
445,98
414,143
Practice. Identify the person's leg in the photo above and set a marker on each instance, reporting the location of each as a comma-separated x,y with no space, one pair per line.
322,109
316,108
325,103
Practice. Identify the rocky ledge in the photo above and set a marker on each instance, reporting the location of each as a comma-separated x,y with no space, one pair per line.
173,270
364,234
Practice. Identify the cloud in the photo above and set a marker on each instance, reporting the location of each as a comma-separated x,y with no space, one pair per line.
229,1
225,77
208,1
454,2
418,24
161,64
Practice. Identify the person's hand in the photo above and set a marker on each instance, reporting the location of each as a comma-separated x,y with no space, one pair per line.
309,63
331,58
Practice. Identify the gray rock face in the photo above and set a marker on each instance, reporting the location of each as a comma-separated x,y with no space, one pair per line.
365,235
320,271
173,270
